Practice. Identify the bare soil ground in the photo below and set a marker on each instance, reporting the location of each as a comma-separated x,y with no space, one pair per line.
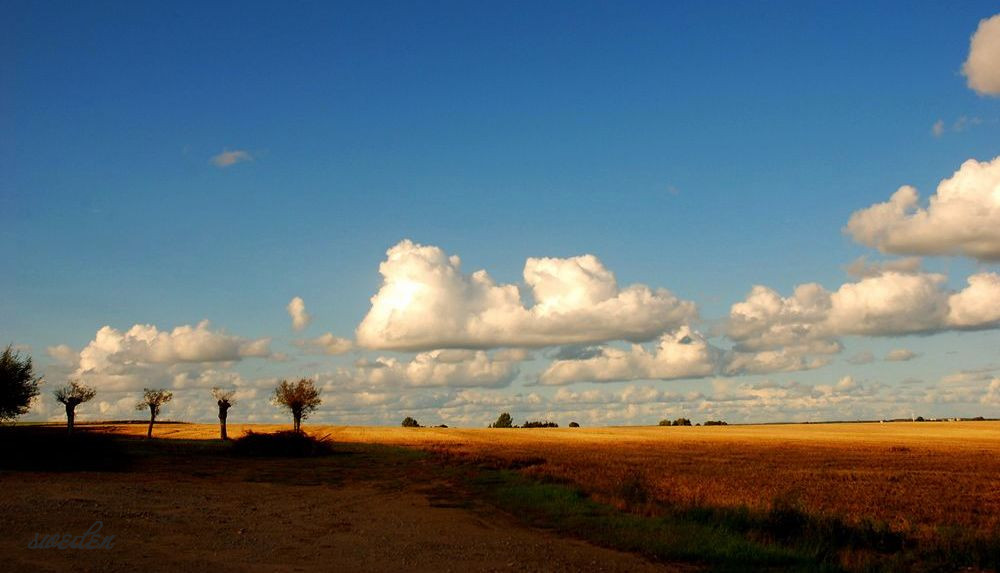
360,509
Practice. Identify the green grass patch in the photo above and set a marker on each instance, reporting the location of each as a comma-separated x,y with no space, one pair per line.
783,538
670,538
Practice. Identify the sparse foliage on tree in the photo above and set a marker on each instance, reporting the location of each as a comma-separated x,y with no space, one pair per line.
503,421
300,398
224,398
153,400
409,422
18,384
72,395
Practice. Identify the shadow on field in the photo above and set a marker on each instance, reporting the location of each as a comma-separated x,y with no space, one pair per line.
44,448
783,537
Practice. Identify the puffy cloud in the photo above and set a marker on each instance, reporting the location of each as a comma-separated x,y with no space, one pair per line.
767,321
145,343
326,344
978,386
992,395
297,310
978,305
887,304
64,354
962,218
437,368
862,267
207,379
145,355
426,302
230,158
965,377
684,354
629,395
982,68
789,359
900,355
681,354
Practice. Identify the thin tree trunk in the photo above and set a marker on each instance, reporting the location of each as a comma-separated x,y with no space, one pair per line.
297,416
222,424
70,414
149,430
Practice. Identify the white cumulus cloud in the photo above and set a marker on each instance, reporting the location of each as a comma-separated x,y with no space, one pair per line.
297,310
982,68
326,344
978,305
681,354
457,368
962,218
810,321
146,355
427,302
900,355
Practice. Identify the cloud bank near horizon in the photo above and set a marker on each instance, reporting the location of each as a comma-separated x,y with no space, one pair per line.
440,341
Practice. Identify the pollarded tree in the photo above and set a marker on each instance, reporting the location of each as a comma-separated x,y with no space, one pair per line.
18,384
224,398
71,396
301,399
153,399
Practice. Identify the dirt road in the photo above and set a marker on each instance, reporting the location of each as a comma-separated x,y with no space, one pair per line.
350,513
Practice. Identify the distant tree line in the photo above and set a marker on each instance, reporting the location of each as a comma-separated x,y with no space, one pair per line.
687,422
504,420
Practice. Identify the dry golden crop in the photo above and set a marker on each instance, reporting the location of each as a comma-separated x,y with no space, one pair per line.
913,476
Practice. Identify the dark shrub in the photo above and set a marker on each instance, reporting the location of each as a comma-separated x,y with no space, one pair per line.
288,443
681,422
574,425
716,423
409,422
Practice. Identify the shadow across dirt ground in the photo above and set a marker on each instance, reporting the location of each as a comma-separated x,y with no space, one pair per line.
197,505
284,501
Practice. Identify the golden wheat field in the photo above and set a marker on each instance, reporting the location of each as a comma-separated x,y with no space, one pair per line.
914,476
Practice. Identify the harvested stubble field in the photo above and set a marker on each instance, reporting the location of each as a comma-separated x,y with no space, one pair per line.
921,478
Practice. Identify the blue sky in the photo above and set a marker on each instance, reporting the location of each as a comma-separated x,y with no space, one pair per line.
700,147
